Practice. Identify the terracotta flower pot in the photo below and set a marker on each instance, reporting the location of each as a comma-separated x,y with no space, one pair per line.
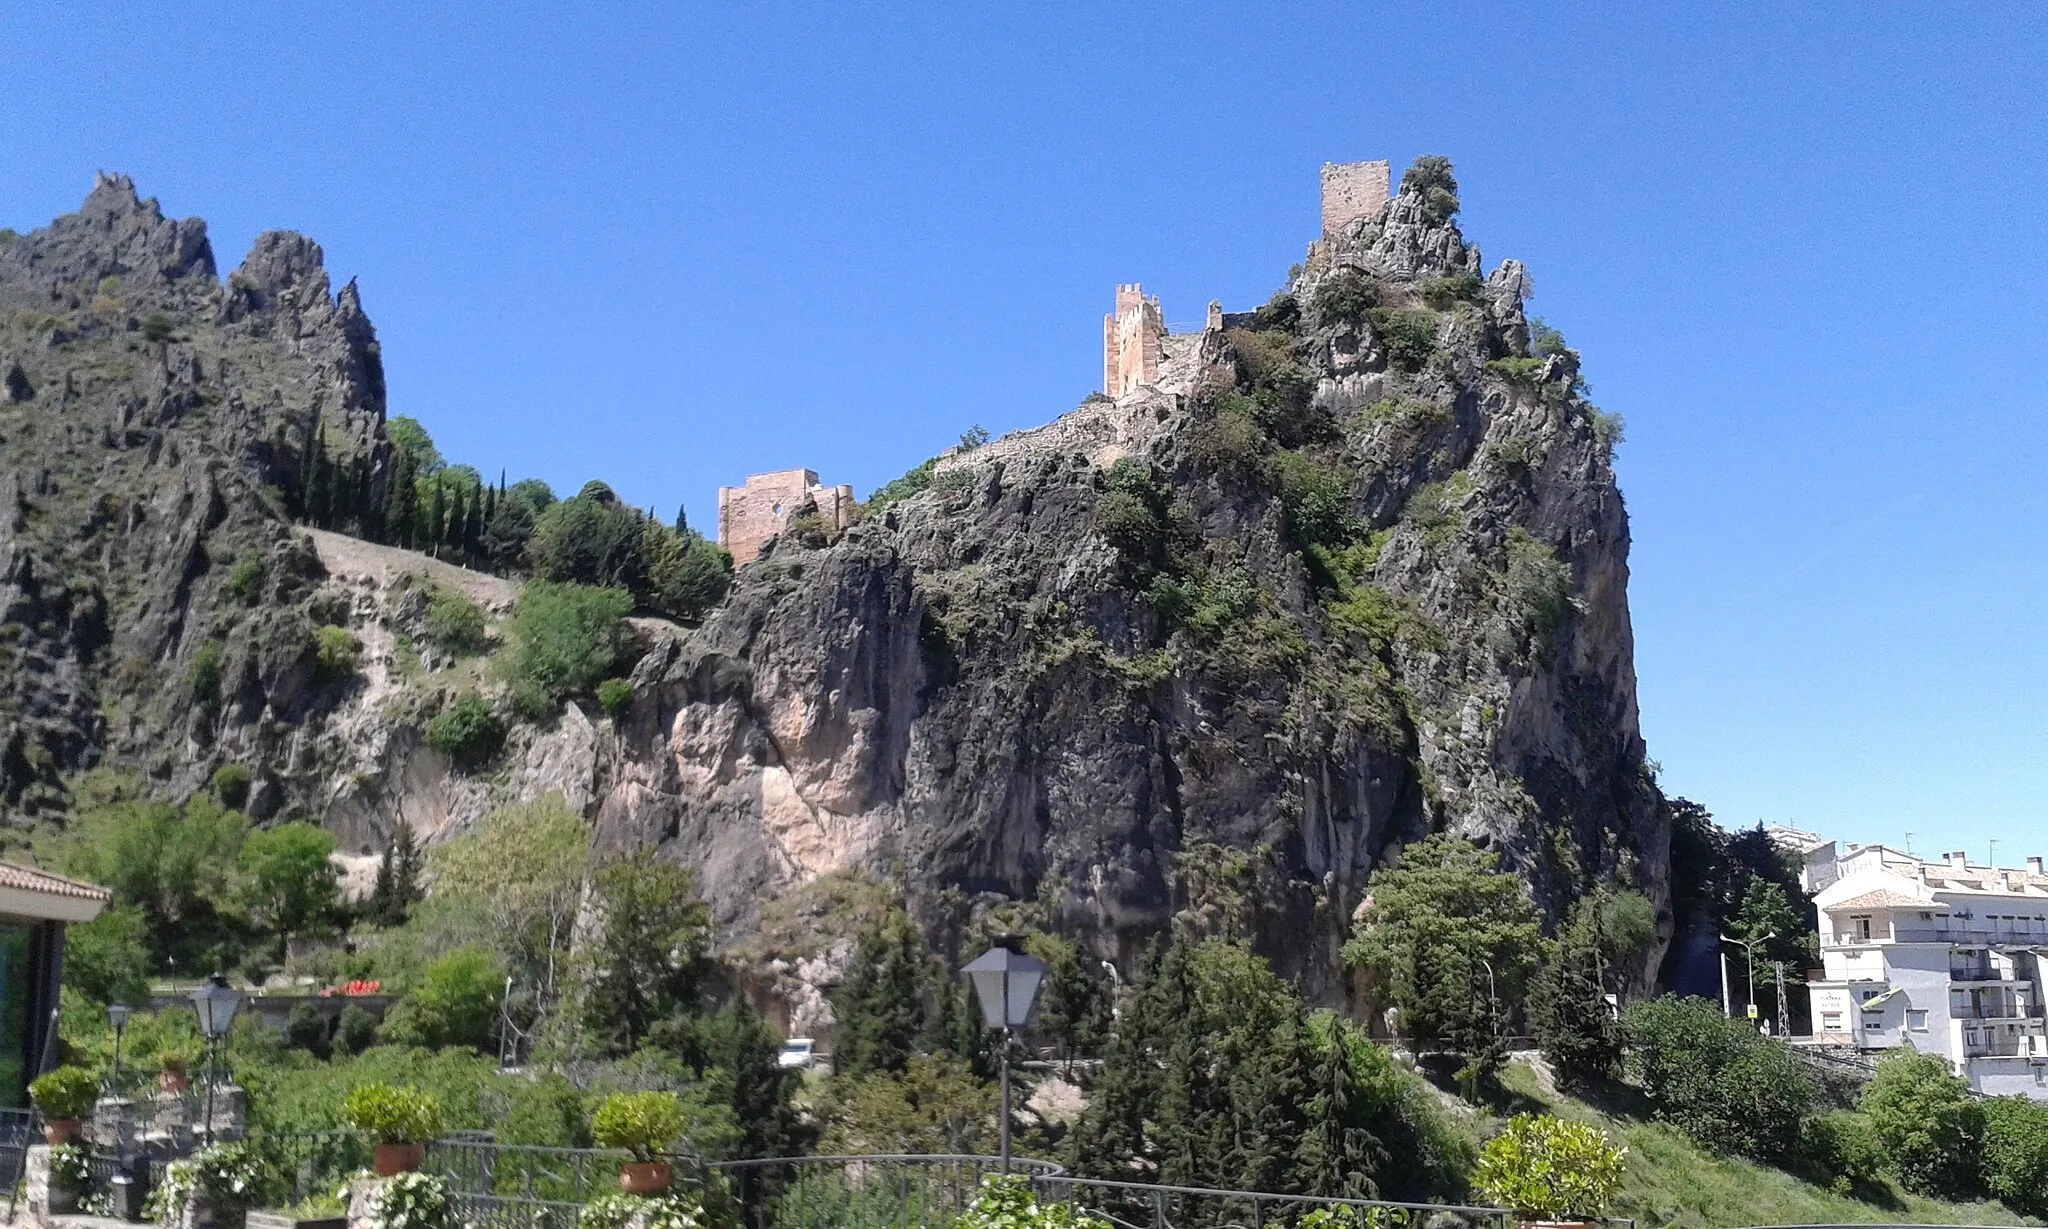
60,1131
646,1177
397,1159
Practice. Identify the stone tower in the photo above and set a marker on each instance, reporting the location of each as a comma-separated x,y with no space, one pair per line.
750,515
1130,341
1354,190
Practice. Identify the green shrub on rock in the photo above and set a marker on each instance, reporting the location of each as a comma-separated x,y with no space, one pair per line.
614,696
337,651
455,623
467,732
566,639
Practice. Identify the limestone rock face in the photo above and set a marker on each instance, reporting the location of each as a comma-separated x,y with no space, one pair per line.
985,692
153,422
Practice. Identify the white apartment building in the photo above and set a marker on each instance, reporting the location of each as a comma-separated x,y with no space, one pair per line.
1944,957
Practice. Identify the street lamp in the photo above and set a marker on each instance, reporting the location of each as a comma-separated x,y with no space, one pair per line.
117,1015
1007,985
1750,946
216,1004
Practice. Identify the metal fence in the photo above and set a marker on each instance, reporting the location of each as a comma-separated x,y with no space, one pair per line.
1140,1205
929,1192
862,1192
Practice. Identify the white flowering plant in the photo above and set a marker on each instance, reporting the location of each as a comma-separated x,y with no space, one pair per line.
413,1201
1010,1203
233,1175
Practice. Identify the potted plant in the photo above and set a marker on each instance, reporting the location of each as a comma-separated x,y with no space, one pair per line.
643,1124
399,1121
174,1077
1550,1171
64,1096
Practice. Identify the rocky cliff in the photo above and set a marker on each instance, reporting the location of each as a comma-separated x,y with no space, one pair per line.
1353,570
1356,569
152,422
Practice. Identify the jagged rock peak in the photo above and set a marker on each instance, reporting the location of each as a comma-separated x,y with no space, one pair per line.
282,266
116,234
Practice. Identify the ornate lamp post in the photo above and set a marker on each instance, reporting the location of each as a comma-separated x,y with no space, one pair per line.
1006,983
117,1015
216,1004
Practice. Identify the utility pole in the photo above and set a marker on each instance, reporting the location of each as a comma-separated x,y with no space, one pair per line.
1749,946
1721,958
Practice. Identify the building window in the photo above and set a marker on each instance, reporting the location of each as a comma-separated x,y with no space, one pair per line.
1917,1021
1859,926
1873,1023
1831,1022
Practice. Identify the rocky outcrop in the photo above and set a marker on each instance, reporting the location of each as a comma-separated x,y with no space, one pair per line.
986,693
154,424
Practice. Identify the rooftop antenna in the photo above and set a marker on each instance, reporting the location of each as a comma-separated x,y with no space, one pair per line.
1992,859
1909,842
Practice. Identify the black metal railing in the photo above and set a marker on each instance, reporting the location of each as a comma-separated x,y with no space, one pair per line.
906,1191
1141,1205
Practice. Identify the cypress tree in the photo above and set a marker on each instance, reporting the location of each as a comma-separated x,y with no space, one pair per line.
397,888
437,517
878,1009
1337,1155
1568,1004
473,524
402,504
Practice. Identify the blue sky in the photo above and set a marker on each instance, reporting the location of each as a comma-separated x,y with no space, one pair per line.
1803,252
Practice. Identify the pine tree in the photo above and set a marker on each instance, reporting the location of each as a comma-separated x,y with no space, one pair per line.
1338,1155
473,524
878,1008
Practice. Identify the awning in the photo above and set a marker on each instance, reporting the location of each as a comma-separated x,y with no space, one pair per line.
1877,1001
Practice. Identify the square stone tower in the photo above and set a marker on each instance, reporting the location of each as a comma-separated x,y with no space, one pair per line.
750,515
1130,341
1354,190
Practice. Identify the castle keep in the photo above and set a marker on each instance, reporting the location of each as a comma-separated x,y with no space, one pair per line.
1135,340
750,515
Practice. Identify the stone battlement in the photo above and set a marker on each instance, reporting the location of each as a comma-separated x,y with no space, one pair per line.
749,515
1130,341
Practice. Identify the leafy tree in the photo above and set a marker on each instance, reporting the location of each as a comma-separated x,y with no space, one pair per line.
878,1008
107,959
1716,1079
523,868
2016,1153
645,956
591,539
1430,178
397,887
1927,1121
687,575
176,865
413,442
454,1004
506,534
1454,940
305,1028
566,639
354,1031
935,1105
289,878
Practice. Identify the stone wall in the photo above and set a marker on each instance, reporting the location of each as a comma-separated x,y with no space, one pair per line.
749,515
1354,190
1130,341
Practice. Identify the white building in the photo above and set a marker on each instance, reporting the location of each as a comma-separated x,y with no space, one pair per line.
1944,957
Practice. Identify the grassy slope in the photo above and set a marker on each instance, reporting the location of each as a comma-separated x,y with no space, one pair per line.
1672,1181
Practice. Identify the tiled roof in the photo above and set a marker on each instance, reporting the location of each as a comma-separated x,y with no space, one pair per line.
1885,898
27,879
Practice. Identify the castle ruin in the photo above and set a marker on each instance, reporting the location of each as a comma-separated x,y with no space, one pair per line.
1130,341
749,515
1354,190
1135,341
